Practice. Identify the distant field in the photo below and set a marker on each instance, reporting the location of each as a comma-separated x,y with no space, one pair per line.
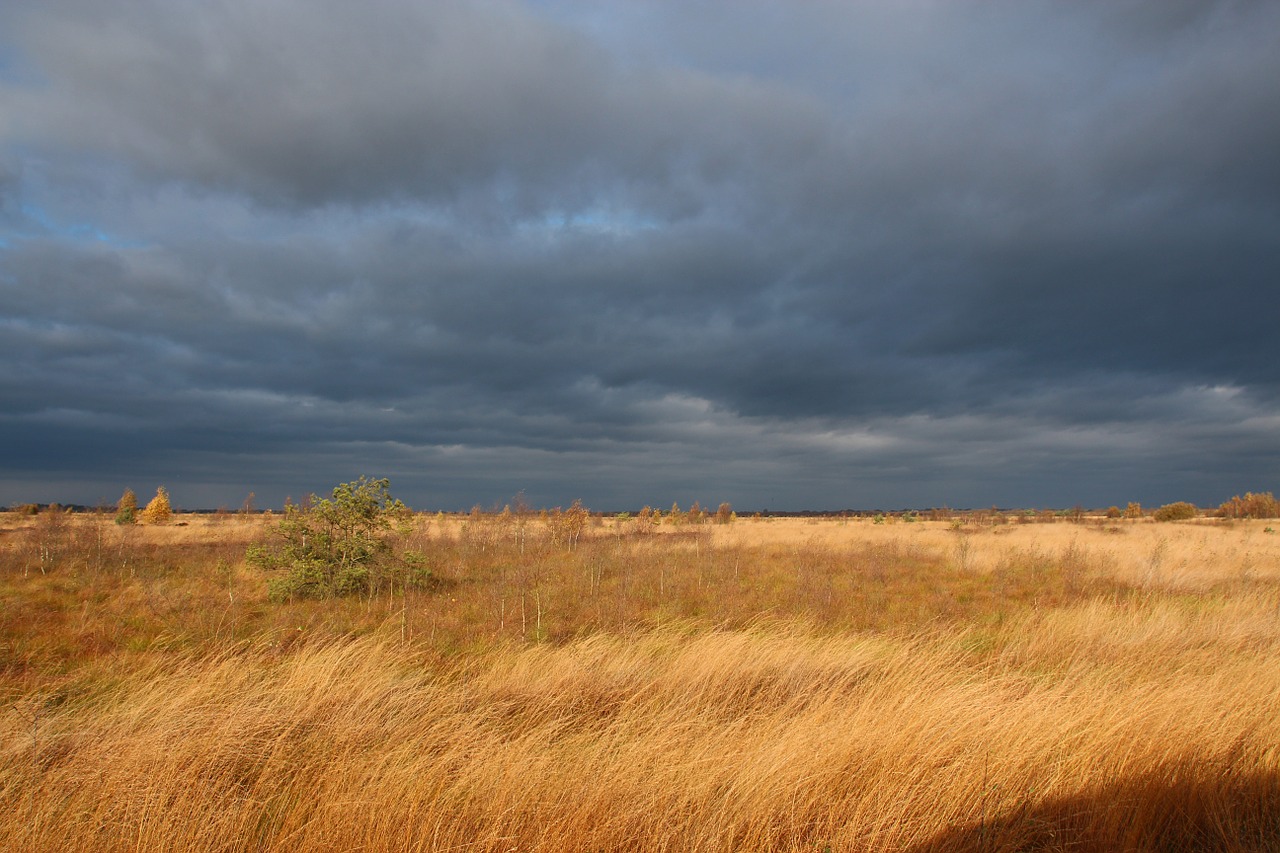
769,684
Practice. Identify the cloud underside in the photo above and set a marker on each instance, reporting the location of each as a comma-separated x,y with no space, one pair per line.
826,257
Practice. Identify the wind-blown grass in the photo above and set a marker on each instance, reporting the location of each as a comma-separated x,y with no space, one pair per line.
1094,716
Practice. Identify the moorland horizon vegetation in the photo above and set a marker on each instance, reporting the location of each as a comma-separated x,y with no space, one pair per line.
348,674
1251,505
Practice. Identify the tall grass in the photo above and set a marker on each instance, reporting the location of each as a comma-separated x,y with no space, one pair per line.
777,691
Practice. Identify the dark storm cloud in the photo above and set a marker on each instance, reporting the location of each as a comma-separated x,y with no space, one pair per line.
826,254
479,105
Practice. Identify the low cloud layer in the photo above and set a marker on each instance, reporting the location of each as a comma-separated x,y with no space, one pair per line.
836,255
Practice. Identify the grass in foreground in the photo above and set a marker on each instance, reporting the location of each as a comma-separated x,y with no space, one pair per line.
897,698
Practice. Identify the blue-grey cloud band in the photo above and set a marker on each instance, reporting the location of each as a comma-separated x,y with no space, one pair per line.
830,255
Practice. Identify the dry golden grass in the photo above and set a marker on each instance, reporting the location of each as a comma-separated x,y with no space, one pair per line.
779,685
1193,555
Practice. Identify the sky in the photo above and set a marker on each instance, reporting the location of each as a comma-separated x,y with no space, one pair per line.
810,255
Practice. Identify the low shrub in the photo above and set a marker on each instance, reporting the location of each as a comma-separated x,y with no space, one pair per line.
341,545
1178,511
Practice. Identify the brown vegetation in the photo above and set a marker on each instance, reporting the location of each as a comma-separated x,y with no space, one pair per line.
1262,505
1178,511
783,684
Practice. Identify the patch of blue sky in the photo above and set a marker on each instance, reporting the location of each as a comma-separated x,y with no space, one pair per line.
595,221
14,68
46,224
8,62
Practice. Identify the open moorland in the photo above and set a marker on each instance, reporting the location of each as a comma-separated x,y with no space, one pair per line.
513,682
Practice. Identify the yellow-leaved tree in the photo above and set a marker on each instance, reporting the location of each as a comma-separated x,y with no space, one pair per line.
158,510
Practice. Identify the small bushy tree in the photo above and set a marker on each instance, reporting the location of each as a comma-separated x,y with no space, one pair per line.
127,508
158,509
566,527
340,545
645,521
1179,511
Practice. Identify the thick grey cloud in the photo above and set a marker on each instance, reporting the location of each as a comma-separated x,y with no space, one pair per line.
829,255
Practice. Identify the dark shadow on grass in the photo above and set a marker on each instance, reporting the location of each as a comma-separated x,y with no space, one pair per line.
1198,812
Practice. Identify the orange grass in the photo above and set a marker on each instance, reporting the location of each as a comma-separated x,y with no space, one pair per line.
764,686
